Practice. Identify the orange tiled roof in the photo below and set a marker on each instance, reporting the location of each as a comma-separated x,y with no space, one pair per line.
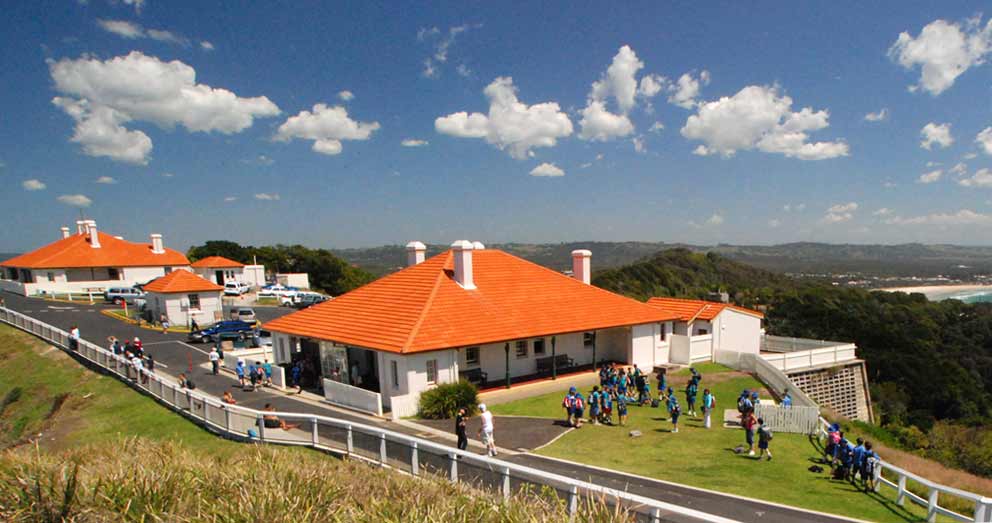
697,309
180,281
75,252
218,262
422,308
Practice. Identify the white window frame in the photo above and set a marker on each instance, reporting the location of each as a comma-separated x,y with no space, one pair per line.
587,339
521,350
191,298
431,372
473,362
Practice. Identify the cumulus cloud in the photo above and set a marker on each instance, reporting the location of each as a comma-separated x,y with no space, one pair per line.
840,212
620,84
651,85
715,219
982,178
962,217
75,200
266,196
547,169
797,207
843,207
884,211
103,95
882,114
620,80
327,127
943,51
413,142
984,140
930,177
939,134
599,124
137,4
758,117
107,180
133,31
346,95
686,89
959,169
33,185
510,125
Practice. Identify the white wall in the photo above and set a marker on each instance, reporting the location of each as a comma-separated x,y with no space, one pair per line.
133,275
644,340
180,315
296,279
210,274
737,331
254,275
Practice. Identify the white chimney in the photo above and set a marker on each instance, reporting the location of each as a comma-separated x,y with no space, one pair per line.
65,232
582,265
415,253
478,246
80,226
119,237
157,247
462,250
94,237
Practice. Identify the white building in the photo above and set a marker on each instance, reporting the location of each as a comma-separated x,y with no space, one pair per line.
183,296
88,261
219,270
705,326
468,312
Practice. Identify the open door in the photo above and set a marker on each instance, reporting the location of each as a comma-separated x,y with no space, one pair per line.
220,277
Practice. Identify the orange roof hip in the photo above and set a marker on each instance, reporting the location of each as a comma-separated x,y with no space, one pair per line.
688,310
75,252
218,262
422,308
181,281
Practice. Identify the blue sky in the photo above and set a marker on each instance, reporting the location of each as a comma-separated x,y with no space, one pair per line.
716,123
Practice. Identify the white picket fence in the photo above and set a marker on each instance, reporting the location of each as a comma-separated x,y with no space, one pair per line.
380,447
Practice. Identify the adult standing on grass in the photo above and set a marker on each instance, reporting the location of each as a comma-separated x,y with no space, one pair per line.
764,438
74,338
487,429
214,361
749,422
460,425
662,385
709,403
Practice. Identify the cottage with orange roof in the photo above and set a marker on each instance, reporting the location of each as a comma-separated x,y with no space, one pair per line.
219,269
469,312
88,261
183,296
706,327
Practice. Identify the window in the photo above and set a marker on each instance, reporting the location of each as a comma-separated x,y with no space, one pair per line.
395,372
194,301
51,276
431,372
472,356
112,274
282,349
702,332
588,339
168,270
521,348
539,346
663,329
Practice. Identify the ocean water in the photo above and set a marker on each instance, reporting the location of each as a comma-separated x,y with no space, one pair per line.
970,296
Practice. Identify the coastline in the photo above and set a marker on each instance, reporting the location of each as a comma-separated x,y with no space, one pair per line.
941,291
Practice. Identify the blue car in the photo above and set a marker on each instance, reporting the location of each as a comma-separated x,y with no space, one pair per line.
214,331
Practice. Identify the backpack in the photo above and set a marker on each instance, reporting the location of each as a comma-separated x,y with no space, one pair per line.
768,433
741,404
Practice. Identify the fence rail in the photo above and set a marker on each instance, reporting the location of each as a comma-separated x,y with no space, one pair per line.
771,343
380,447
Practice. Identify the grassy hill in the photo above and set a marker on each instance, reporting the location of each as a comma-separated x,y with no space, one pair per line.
81,447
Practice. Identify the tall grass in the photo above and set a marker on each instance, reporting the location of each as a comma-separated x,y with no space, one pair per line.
140,480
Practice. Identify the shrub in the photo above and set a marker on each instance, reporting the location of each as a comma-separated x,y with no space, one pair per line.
444,400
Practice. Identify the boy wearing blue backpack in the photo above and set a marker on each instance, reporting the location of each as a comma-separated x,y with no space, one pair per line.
690,397
868,463
607,398
674,410
622,409
857,455
568,403
594,405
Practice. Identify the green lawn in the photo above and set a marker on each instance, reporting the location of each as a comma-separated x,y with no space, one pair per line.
705,458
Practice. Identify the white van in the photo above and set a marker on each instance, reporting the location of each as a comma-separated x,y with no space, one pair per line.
235,288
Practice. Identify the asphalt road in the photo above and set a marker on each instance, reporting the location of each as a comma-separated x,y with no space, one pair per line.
173,355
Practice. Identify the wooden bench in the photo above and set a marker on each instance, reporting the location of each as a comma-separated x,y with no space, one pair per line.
476,376
561,361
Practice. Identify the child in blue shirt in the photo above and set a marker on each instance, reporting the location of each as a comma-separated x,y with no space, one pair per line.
868,463
607,397
595,408
674,410
622,409
857,455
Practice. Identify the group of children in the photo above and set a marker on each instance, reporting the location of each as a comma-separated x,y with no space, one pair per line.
848,460
256,374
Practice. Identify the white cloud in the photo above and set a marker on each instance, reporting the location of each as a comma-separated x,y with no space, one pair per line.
547,169
266,196
33,185
599,157
715,219
510,125
167,175
959,169
441,47
833,217
884,211
137,4
774,223
686,89
962,217
798,207
75,200
206,46
620,83
585,165
889,185
982,178
106,180
651,85
843,207
939,134
882,114
639,145
757,117
930,177
619,80
932,163
944,50
104,95
346,95
230,198
168,37
969,156
413,142
326,126
463,70
599,124
984,140
122,28
657,127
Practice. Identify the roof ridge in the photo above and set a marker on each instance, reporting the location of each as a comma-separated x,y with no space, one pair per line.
423,311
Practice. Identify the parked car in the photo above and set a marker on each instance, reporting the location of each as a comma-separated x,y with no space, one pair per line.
263,338
236,288
309,299
118,295
244,314
214,331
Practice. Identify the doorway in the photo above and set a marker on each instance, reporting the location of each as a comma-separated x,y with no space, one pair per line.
219,275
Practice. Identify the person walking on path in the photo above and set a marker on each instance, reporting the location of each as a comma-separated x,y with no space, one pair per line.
297,373
868,462
239,369
193,327
164,320
74,338
568,403
486,431
764,438
749,423
267,369
460,424
709,403
138,365
214,361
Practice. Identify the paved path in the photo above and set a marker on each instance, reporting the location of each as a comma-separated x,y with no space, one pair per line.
171,350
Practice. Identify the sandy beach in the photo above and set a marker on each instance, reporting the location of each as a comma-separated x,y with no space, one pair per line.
932,291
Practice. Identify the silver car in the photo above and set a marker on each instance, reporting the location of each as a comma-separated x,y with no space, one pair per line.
119,295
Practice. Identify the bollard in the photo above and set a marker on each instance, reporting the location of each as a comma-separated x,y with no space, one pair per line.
414,460
506,483
454,467
573,502
656,515
313,435
382,449
261,427
351,443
